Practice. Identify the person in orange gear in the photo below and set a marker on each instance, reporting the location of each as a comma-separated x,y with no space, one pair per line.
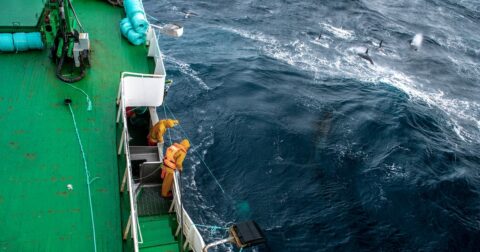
156,132
172,161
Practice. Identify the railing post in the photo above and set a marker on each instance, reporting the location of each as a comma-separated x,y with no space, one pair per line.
127,227
178,230
170,210
119,92
124,180
119,113
120,145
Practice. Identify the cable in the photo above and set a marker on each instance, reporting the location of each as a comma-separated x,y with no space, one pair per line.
75,14
169,134
149,175
198,155
89,102
58,73
66,36
87,173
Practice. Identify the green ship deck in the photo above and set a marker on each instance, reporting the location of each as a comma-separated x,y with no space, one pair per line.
20,13
39,149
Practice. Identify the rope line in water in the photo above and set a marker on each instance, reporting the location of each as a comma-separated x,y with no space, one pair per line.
198,155
152,17
89,102
211,227
169,134
87,174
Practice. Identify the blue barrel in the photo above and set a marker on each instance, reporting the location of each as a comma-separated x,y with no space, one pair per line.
136,14
6,42
128,32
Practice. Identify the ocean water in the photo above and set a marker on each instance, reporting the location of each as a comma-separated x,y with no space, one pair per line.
324,150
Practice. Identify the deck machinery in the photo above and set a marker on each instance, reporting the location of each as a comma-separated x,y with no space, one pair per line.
60,30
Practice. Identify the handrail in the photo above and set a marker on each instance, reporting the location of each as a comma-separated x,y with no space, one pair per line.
133,211
154,51
190,231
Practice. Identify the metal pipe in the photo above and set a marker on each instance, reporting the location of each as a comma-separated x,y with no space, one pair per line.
214,244
129,179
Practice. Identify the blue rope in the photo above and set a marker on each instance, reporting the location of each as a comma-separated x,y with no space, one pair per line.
87,174
89,102
198,155
211,227
152,17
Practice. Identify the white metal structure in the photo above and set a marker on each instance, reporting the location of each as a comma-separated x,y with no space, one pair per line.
147,90
193,237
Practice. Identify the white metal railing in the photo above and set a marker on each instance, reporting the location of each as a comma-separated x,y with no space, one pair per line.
134,92
190,231
154,51
134,224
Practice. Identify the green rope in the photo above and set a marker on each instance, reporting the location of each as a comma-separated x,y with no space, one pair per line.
87,174
89,102
198,155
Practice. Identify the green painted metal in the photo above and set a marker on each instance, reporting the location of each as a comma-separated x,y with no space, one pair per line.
40,153
156,232
20,13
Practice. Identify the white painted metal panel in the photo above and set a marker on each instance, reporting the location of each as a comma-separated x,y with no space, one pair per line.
142,90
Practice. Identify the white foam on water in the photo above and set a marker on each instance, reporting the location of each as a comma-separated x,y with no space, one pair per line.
200,149
320,42
338,32
458,110
347,64
187,70
295,53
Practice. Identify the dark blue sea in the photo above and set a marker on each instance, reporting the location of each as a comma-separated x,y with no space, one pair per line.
325,151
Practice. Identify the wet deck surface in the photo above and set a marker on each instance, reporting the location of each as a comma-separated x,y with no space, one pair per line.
39,149
20,13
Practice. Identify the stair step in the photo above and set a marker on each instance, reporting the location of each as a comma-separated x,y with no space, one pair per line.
163,248
156,231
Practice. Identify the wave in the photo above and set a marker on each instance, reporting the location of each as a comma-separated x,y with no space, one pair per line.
187,70
345,63
338,32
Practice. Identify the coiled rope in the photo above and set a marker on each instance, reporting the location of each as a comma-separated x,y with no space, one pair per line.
87,173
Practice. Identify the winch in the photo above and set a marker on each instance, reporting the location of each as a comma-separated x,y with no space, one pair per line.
69,43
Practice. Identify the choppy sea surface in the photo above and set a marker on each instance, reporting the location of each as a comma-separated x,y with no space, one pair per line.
326,151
